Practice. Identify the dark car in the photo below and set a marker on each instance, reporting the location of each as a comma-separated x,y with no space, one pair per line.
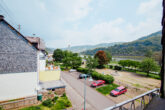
83,76
118,91
97,83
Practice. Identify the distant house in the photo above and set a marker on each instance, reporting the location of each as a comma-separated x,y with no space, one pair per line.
39,44
18,64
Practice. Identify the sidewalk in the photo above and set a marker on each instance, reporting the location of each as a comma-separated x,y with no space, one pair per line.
76,99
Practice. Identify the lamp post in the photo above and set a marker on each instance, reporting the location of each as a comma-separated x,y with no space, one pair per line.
90,79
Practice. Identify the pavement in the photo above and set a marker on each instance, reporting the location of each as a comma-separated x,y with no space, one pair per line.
75,91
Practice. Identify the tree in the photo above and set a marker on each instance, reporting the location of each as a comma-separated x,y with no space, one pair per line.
148,54
148,65
71,60
91,63
108,55
102,58
58,55
158,57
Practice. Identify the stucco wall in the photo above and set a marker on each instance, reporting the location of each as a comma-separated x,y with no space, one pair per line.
16,54
49,75
16,85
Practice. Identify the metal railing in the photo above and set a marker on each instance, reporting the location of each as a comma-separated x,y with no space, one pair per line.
132,101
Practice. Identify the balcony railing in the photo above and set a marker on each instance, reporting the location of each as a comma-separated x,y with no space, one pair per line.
150,94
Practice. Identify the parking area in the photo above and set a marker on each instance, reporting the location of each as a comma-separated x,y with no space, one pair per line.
128,95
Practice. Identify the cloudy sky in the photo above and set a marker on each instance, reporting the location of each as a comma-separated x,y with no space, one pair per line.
81,22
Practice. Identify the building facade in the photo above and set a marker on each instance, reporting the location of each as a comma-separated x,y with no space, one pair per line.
18,64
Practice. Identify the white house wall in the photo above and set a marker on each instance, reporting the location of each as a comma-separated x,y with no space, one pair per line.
17,85
42,61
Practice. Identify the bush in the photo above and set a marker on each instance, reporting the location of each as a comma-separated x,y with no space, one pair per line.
111,66
64,95
62,103
1,108
107,78
47,103
55,99
83,70
118,68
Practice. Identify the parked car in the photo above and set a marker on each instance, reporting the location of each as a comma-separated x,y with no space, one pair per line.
83,76
118,91
72,70
97,83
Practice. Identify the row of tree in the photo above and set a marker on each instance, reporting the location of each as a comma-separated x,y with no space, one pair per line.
147,65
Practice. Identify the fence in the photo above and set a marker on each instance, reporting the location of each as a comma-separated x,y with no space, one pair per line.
132,101
19,103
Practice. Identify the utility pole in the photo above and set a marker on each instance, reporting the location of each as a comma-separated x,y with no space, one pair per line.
85,93
19,27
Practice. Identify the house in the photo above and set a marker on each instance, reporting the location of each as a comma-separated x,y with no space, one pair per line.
18,64
39,44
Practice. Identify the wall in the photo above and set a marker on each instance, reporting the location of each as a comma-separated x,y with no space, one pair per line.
42,61
16,85
49,75
17,55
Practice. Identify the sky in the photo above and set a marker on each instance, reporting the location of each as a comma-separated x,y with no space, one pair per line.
83,22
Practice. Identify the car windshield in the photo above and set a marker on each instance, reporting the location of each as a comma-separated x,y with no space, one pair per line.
97,82
117,90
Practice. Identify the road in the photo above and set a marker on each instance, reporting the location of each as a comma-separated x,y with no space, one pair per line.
95,100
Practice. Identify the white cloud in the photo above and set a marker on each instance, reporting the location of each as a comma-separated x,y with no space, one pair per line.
149,7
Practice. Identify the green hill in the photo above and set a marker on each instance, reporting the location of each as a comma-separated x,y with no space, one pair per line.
82,48
134,48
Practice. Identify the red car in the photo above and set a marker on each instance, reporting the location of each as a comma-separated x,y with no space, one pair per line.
97,83
118,91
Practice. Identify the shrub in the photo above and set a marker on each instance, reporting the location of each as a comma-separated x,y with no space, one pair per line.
64,95
62,103
55,99
47,103
107,78
1,108
83,70
111,66
118,68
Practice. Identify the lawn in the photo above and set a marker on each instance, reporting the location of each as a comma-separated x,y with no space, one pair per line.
57,104
105,90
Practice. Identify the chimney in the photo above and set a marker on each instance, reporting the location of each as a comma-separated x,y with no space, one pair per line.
1,17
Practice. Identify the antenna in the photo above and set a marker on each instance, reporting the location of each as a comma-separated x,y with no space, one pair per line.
19,27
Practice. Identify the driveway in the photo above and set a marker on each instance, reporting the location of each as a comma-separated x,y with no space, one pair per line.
95,100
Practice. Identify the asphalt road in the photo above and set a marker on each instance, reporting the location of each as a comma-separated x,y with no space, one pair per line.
96,100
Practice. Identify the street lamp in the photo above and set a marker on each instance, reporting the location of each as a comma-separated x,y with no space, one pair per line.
90,79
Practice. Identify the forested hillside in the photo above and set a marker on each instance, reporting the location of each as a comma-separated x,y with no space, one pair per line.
134,48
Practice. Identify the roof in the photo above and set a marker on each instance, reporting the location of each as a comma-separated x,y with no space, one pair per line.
37,42
2,19
52,84
121,87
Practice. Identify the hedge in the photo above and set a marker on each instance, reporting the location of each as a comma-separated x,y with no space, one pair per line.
111,66
118,68
98,76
